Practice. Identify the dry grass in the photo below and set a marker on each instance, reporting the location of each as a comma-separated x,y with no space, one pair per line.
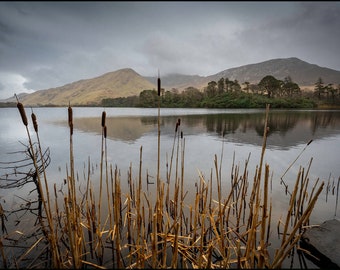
120,83
130,229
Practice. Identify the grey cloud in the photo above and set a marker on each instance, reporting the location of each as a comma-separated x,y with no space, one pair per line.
174,55
306,33
4,33
54,43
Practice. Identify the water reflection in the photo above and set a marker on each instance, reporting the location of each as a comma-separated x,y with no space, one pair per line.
287,128
203,132
126,129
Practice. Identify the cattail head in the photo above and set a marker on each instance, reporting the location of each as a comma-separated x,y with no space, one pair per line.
181,134
35,123
105,132
70,116
22,113
71,128
159,86
103,118
179,121
176,127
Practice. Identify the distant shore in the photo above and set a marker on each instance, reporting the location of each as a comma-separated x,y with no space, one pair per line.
318,107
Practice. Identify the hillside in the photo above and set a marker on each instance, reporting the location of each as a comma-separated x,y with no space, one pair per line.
180,81
301,72
126,82
120,83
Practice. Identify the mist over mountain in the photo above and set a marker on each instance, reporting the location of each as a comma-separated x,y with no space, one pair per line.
126,82
301,72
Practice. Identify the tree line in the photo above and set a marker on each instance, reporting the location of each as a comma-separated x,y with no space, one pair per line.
226,93
327,91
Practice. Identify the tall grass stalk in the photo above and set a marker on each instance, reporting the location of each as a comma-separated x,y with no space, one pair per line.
50,235
36,175
224,227
337,196
55,250
99,246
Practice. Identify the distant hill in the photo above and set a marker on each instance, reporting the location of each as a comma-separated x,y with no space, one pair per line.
301,72
126,82
180,81
120,83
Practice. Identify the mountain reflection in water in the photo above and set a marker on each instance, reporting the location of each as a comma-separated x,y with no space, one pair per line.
131,130
287,128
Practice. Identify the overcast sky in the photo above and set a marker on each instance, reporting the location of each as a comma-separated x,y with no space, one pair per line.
50,44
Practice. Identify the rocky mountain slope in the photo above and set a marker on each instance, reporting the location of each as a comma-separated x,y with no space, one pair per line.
301,72
120,83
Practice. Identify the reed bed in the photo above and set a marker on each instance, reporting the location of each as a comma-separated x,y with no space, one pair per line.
226,226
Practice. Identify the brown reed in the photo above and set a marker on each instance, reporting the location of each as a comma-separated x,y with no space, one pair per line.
48,210
47,231
22,112
225,231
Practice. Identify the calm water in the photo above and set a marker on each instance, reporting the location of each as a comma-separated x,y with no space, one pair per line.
129,129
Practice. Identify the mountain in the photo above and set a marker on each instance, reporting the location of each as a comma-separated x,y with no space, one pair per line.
120,83
126,82
301,72
179,81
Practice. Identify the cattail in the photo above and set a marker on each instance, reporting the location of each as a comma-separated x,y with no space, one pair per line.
176,127
103,118
105,131
179,121
159,86
71,128
70,116
70,119
22,113
34,120
309,142
181,134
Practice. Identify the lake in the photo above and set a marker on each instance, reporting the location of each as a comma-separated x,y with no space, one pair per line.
295,138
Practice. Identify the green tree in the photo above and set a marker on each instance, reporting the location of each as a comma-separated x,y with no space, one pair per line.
331,90
319,88
270,84
246,88
228,85
220,86
236,86
168,98
176,97
211,89
254,88
191,97
148,98
289,88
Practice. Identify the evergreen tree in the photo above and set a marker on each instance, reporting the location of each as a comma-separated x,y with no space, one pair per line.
220,86
319,88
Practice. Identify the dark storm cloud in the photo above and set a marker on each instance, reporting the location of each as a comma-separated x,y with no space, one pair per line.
49,44
311,33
